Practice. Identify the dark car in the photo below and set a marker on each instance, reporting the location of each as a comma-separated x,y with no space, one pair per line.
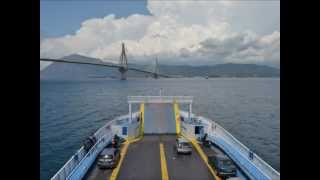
108,158
223,165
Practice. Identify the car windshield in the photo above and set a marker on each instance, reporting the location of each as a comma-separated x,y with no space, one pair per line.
185,144
226,163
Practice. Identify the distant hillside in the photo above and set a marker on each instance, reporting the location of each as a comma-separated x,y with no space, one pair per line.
223,70
65,71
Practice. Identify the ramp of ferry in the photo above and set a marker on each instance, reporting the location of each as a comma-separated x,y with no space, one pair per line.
144,159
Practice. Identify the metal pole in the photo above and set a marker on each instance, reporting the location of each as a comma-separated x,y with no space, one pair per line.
130,114
190,110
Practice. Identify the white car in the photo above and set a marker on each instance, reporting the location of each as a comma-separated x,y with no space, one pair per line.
235,178
183,146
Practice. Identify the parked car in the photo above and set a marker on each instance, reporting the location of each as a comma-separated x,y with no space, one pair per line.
183,146
223,165
109,158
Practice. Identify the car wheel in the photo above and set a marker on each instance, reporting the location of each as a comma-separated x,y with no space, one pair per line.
175,150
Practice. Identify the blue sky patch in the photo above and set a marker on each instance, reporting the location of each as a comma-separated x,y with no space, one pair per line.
59,18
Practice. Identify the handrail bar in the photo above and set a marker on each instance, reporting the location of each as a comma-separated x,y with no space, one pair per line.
259,162
246,148
89,152
160,99
81,150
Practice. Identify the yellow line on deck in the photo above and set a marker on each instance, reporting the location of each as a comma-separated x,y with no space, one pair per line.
123,153
192,140
164,169
177,116
203,156
130,140
116,170
142,119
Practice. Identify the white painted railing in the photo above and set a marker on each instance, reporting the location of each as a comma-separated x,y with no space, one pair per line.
81,169
70,165
74,161
214,129
160,99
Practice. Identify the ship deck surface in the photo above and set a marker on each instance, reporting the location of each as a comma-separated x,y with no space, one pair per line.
149,152
142,160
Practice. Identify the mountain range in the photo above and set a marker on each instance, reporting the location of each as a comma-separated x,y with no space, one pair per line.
66,71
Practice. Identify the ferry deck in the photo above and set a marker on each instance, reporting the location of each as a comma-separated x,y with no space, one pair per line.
151,154
142,160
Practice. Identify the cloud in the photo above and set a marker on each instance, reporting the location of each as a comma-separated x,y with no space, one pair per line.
188,32
242,48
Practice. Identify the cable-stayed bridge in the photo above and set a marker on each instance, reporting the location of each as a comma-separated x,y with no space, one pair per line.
122,66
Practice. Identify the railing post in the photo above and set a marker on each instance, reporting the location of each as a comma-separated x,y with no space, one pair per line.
190,110
130,114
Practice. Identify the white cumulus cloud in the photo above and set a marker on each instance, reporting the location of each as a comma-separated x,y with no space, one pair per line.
188,32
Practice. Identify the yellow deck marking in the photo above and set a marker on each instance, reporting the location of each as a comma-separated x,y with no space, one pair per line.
116,170
130,140
142,119
177,117
164,169
123,153
193,141
202,155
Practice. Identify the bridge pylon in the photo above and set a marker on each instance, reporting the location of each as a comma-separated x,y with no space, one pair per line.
123,63
156,69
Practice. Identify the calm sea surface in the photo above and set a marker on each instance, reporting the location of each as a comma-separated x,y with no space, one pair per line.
70,111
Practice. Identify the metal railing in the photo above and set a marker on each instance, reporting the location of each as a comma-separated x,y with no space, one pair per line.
215,129
69,165
75,160
160,99
80,170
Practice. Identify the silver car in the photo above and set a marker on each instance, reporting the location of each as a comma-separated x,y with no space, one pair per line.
183,146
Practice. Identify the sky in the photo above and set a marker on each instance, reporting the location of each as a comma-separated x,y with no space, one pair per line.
189,32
